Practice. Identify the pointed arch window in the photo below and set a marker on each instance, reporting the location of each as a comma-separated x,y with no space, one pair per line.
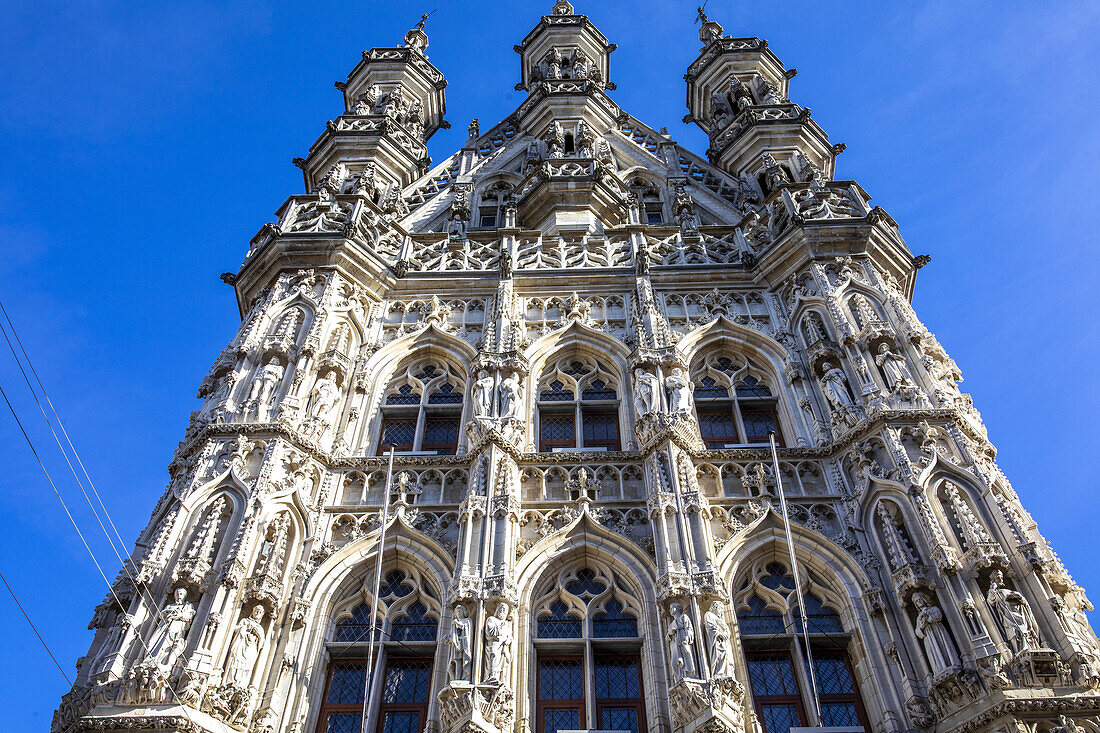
490,212
733,403
588,654
649,201
578,406
404,631
422,410
770,629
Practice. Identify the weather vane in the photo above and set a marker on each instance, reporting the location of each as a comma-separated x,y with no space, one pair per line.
424,19
702,17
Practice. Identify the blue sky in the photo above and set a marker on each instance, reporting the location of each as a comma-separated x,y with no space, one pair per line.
143,144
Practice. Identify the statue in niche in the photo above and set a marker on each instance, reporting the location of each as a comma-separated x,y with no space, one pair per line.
553,64
325,395
1013,613
647,393
681,637
718,640
483,395
510,395
111,643
679,391
263,387
167,640
244,650
273,551
462,631
835,386
934,636
894,367
498,645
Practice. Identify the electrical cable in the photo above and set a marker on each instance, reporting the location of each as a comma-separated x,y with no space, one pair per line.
35,629
80,534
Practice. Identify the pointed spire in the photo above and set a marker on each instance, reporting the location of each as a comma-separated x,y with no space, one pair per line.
709,31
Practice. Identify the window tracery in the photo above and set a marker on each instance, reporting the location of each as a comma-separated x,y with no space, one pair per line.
770,628
733,402
578,405
491,208
422,409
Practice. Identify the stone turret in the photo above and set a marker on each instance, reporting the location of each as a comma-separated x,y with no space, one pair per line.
737,92
393,103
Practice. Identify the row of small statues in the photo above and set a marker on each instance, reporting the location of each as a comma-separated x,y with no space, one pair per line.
166,643
509,395
1011,610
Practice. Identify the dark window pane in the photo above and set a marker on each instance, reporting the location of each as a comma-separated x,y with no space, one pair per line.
355,628
617,678
777,577
559,623
780,718
394,585
619,719
585,583
407,681
343,722
488,216
820,620
757,425
557,392
839,714
757,619
398,433
414,626
614,622
717,428
401,722
598,390
347,684
555,720
404,396
441,434
557,429
445,395
707,389
600,429
833,677
772,675
749,387
428,372
561,679
575,369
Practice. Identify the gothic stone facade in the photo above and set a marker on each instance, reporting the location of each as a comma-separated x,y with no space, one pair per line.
577,336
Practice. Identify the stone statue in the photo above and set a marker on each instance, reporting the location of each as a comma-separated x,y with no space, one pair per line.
681,637
647,393
679,391
462,630
483,395
498,645
244,650
263,387
894,367
111,643
167,640
835,386
718,640
1013,613
325,395
934,636
510,393
720,112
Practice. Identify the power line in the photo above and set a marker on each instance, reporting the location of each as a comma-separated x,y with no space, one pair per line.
45,395
110,586
35,629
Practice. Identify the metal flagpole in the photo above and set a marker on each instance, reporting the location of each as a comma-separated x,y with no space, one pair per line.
368,684
797,580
